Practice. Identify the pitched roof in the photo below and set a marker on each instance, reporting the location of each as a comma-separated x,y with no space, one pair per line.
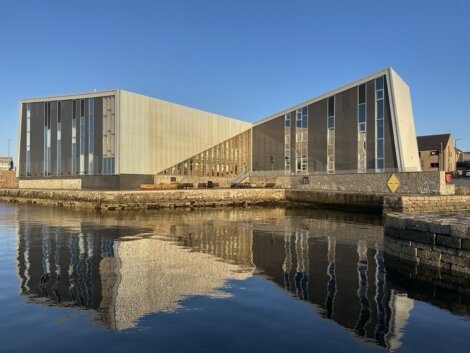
432,142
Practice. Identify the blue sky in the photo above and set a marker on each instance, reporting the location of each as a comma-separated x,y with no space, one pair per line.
245,59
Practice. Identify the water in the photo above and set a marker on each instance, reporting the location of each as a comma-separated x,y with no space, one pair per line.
223,280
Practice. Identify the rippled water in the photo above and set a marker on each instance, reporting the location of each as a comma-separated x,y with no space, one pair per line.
221,280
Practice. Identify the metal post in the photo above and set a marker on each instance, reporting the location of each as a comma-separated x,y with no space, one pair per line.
9,140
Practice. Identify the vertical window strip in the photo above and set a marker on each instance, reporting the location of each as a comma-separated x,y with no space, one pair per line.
108,135
287,141
47,139
82,136
362,130
330,125
379,124
28,139
59,138
91,135
301,140
74,137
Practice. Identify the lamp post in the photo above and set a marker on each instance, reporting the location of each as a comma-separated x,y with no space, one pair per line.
9,140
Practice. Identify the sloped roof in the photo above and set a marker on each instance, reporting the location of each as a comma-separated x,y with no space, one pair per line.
432,142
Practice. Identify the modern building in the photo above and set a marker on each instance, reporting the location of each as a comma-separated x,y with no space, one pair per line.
437,152
117,139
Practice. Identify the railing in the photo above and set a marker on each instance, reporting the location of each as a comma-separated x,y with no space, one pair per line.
268,173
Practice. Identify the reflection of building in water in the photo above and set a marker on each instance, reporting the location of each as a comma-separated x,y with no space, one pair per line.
339,267
125,273
122,280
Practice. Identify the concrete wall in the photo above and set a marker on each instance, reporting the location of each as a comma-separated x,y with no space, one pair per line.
88,182
51,184
155,135
410,183
8,179
405,134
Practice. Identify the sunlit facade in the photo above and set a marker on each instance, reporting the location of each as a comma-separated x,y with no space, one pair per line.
119,140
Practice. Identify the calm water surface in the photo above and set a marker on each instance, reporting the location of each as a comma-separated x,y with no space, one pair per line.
230,280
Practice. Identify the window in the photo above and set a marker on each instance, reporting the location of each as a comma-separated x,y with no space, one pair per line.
301,140
287,140
379,124
330,162
59,138
434,165
47,139
28,139
91,134
74,137
108,135
82,136
361,130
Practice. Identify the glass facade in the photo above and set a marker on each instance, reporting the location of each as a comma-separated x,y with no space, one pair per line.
379,123
47,139
287,142
301,140
330,166
227,159
362,130
109,122
91,135
59,138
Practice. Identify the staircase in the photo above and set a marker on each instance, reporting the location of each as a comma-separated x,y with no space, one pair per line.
239,178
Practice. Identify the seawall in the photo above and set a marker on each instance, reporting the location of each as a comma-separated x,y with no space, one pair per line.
112,200
347,201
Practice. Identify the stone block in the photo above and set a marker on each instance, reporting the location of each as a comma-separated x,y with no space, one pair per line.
466,244
460,270
439,228
460,230
429,262
447,241
445,250
456,260
417,236
392,232
429,255
394,221
409,251
416,224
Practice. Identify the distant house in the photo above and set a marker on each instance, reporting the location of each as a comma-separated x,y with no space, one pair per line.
465,157
437,152
5,163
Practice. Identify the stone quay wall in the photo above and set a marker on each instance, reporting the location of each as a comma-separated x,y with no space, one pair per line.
352,202
113,200
8,179
429,183
425,203
440,239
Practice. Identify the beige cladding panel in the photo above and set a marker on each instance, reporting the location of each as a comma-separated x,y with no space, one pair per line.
155,134
405,128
